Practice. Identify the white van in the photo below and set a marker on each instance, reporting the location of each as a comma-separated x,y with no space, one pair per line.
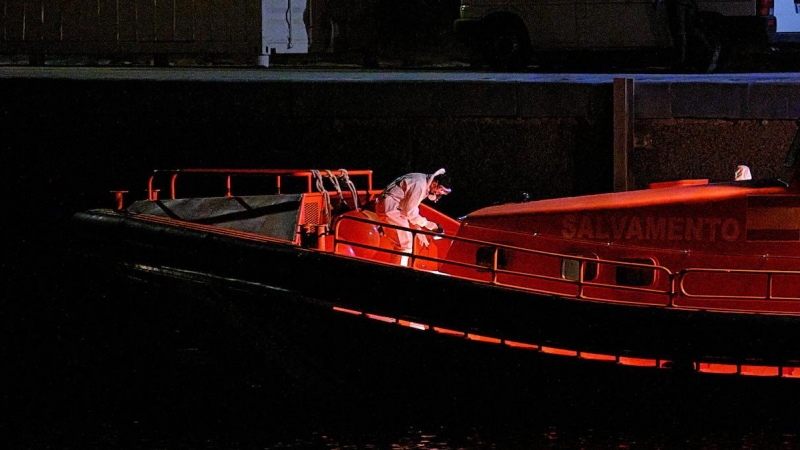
508,33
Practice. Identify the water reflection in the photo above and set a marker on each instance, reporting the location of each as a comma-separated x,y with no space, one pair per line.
97,363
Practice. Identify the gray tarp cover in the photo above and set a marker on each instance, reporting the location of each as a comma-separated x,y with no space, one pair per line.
269,215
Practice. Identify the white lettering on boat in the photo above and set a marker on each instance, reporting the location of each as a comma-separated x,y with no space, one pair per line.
650,228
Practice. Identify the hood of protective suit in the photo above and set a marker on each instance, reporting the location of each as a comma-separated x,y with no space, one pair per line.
431,196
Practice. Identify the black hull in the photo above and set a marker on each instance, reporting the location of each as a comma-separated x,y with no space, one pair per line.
314,282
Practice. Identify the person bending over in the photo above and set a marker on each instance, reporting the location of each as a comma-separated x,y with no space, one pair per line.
399,205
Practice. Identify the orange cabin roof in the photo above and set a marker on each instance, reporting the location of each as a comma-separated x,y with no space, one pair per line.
681,194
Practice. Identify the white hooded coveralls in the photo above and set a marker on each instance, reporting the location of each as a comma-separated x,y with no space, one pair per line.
399,205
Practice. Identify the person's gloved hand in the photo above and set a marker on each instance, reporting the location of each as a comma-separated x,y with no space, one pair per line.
423,240
433,226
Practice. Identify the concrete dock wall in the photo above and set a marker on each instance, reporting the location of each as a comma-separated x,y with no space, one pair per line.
72,138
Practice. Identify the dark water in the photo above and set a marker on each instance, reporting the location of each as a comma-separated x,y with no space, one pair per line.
93,362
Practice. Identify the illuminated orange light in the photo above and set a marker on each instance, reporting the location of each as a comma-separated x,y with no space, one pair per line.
665,364
348,311
641,362
478,337
523,345
598,356
559,351
446,331
717,368
381,318
791,372
761,371
415,325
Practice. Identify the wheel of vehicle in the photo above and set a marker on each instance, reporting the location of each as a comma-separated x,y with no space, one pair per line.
506,46
705,48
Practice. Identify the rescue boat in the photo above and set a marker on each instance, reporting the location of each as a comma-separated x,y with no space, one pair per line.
690,274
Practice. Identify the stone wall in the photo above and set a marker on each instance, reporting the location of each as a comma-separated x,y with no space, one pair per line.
669,149
69,142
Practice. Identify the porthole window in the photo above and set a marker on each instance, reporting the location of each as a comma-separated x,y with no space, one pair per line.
571,269
485,257
635,276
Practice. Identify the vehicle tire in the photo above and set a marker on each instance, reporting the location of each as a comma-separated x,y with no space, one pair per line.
506,46
705,48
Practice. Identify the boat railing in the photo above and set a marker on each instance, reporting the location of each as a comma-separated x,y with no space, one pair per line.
279,175
763,289
580,286
764,285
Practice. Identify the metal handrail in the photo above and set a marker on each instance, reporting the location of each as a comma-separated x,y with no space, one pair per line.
769,285
277,173
495,270
675,280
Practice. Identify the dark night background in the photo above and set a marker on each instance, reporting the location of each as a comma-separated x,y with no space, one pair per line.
89,362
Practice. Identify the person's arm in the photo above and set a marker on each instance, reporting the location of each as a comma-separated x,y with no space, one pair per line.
415,197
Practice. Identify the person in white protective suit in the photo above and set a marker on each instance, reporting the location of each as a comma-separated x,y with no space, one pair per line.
399,205
742,173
